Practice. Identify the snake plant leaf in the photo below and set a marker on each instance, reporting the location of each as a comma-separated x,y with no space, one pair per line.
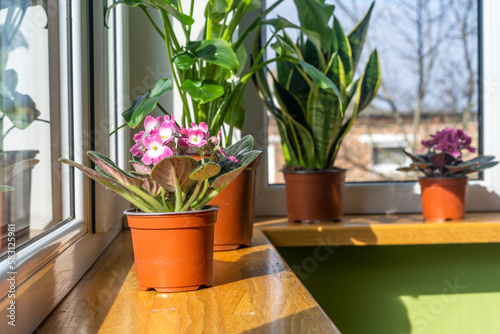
230,170
343,50
370,81
357,37
202,91
204,172
314,16
351,91
321,80
173,172
281,23
110,168
216,51
10,171
144,104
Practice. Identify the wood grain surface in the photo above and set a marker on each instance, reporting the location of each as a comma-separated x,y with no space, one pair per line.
383,230
254,291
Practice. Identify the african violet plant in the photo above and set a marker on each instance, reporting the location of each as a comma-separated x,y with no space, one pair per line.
208,70
444,156
315,84
167,178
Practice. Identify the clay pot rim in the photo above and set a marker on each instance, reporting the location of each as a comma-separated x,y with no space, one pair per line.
442,177
205,209
322,171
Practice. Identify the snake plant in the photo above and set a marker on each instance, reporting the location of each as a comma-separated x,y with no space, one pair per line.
316,84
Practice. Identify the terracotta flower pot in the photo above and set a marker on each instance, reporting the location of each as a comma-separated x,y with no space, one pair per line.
235,217
173,251
443,198
314,196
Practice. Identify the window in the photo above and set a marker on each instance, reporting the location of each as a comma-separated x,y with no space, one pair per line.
60,90
433,56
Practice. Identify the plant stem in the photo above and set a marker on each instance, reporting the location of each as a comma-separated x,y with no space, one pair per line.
158,30
193,196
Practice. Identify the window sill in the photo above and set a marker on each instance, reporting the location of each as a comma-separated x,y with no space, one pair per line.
383,230
253,288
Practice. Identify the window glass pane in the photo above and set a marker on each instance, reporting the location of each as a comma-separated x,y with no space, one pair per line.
26,202
428,53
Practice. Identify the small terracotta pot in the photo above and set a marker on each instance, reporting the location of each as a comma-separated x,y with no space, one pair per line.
235,218
443,198
173,251
314,196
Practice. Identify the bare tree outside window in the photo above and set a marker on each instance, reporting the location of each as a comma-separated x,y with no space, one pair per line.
429,57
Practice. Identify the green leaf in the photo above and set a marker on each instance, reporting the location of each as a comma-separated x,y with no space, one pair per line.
230,170
357,37
115,172
205,171
19,108
202,91
322,80
343,50
94,175
10,171
184,60
313,16
5,188
161,87
167,7
144,104
370,82
130,3
242,55
216,51
172,172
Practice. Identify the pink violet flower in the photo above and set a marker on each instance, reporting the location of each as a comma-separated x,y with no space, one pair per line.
166,131
155,150
151,123
196,138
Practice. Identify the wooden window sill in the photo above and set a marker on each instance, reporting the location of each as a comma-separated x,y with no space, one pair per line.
253,289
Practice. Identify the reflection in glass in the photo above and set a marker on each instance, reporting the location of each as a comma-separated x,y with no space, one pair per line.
25,170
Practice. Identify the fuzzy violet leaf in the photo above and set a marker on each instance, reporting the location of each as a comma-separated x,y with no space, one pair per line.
205,171
173,172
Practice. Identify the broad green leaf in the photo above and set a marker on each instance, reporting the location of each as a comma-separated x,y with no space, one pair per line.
110,168
313,16
205,171
216,51
161,87
357,37
144,104
184,60
20,109
130,3
480,159
218,10
202,91
173,172
480,168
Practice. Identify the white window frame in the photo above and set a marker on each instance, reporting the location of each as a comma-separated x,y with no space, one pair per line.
48,266
401,197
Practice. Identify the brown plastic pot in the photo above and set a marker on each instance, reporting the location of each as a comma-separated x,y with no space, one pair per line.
443,198
314,196
235,217
173,251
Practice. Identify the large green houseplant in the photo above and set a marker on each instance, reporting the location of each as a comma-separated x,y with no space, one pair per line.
209,75
310,97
